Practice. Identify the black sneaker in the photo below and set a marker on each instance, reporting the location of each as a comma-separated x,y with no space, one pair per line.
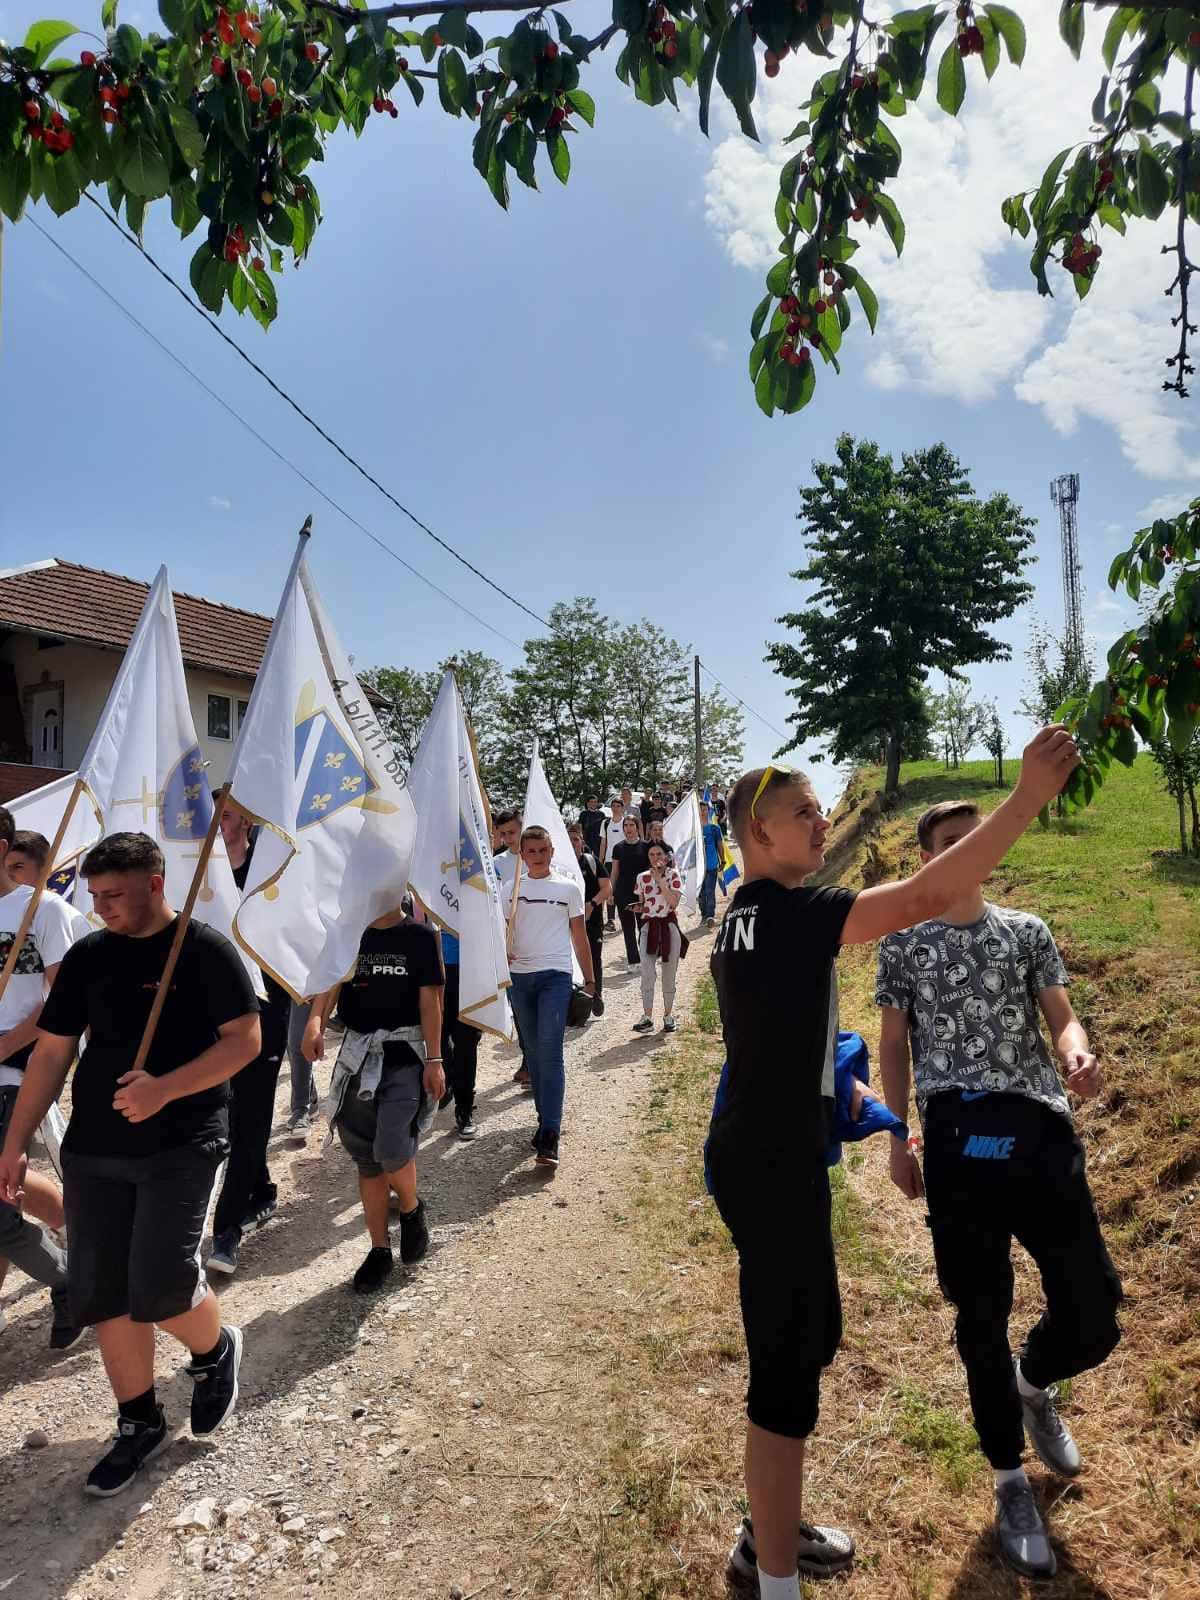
63,1332
375,1270
135,1444
225,1249
260,1214
646,1025
414,1235
216,1391
547,1150
446,1100
466,1127
598,1006
536,1142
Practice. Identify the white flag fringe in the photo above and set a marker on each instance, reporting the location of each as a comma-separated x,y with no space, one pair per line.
313,765
143,770
452,871
683,832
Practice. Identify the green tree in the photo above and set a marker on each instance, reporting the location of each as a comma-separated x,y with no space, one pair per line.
1179,773
650,672
906,567
993,741
1053,675
410,694
958,721
225,110
722,734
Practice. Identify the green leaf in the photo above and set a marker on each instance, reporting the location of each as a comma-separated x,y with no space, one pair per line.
140,166
891,219
185,213
760,316
866,299
737,71
1070,25
1114,33
43,37
452,26
519,148
762,389
61,182
108,14
704,81
452,81
780,277
991,46
415,87
497,180
1049,184
582,102
211,289
1011,29
127,47
175,15
560,154
14,183
197,265
1152,186
951,80
187,134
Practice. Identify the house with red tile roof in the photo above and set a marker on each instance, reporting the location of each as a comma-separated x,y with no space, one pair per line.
63,630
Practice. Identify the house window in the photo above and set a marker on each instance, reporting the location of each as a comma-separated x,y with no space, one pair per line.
49,739
243,706
219,725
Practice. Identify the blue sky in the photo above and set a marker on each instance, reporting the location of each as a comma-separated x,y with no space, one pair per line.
561,391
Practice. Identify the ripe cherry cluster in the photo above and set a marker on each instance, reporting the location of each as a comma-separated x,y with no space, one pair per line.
970,37
662,33
53,132
231,35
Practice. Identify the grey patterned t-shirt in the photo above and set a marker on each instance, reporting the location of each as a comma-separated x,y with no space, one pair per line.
971,998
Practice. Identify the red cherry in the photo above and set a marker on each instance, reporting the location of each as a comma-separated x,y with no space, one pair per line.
123,91
244,24
276,108
254,94
402,64
33,111
820,306
36,131
1194,39
551,50
109,115
786,349
377,104
392,112
311,51
857,81
793,327
803,355
87,58
219,66
670,49
56,120
258,264
771,64
226,34
244,78
1106,177
268,88
437,40
655,36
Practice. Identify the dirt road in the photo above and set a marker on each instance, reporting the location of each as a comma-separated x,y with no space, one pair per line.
417,1442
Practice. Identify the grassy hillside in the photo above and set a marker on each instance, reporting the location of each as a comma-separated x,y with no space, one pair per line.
894,1456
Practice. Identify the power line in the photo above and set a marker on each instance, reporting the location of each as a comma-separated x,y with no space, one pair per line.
786,737
266,443
345,454
312,422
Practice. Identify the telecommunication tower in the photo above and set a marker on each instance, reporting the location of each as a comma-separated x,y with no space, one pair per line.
1064,492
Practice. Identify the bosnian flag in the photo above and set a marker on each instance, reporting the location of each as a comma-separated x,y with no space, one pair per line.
682,831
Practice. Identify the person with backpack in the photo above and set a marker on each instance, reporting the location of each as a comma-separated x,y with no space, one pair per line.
1001,1159
597,893
774,966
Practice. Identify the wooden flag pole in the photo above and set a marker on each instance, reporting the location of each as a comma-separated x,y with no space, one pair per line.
512,915
35,898
181,926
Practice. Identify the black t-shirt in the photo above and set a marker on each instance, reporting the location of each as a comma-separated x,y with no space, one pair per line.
592,822
594,873
276,1012
107,983
631,856
773,965
384,990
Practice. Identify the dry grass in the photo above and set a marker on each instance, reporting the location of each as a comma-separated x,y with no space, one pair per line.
895,1455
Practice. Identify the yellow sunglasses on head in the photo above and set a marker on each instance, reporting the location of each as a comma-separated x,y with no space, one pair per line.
768,774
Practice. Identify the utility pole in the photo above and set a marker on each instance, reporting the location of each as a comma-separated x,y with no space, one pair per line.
699,777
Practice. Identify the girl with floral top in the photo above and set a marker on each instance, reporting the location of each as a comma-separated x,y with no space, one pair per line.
661,940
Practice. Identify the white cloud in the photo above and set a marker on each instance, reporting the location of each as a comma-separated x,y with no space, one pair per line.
219,503
1166,505
1105,604
959,313
714,344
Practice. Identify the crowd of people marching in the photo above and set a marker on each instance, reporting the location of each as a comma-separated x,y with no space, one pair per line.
963,986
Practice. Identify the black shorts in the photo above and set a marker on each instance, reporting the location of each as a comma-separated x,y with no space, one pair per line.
135,1226
791,1309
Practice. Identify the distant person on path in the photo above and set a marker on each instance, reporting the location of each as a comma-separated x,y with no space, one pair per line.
661,943
1001,1159
508,831
387,1074
248,1197
460,1044
142,1149
546,925
597,893
614,833
56,926
629,858
591,820
773,963
712,865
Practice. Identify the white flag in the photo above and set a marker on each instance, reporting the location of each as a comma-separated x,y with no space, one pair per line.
314,766
452,872
683,832
541,811
41,811
143,769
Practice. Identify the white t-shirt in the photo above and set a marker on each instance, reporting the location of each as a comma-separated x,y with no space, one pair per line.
542,931
614,833
55,928
506,867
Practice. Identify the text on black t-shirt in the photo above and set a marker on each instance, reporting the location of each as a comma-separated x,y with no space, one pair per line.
393,966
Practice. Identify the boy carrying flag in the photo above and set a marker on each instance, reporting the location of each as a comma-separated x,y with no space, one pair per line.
773,965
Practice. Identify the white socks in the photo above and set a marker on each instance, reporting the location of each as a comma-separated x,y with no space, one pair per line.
770,1588
1009,1475
1026,1389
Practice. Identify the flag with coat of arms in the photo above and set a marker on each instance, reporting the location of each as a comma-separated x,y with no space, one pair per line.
452,872
143,771
683,832
314,767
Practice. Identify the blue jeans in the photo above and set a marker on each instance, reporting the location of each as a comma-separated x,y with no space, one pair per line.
304,1088
539,1001
708,893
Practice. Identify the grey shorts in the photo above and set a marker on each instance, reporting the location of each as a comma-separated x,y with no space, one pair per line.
135,1225
381,1135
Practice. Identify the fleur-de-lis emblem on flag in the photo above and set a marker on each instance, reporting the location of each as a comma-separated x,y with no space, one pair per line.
321,751
186,807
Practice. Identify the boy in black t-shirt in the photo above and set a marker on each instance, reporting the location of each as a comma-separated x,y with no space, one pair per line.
773,965
142,1149
597,892
388,1069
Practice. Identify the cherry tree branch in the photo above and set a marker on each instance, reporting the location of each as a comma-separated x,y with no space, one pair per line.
1180,361
420,8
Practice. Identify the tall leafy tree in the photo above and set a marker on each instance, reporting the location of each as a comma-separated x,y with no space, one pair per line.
410,694
960,722
907,568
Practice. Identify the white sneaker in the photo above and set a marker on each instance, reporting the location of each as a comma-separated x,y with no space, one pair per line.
668,1024
821,1553
299,1128
1020,1531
